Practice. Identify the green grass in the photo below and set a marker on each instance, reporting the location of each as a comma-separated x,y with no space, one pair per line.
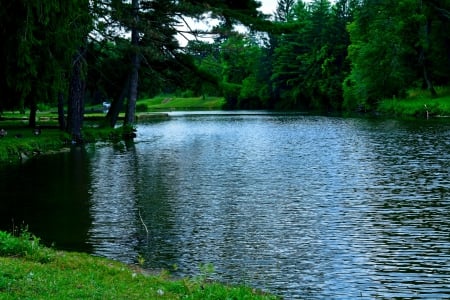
31,271
21,143
417,104
173,103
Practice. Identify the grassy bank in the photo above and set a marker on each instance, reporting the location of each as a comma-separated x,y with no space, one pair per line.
21,143
418,104
31,271
174,103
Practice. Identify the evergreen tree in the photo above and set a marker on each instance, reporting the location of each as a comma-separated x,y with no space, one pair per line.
310,58
396,46
286,76
40,38
153,26
284,11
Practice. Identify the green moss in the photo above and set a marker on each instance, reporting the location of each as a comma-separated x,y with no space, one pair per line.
68,275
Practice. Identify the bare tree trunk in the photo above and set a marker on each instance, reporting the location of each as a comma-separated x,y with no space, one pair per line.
429,83
130,114
61,118
32,116
116,106
425,61
76,99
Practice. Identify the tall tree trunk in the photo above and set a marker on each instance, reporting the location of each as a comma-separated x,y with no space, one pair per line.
113,113
76,99
424,59
32,116
61,118
429,83
135,64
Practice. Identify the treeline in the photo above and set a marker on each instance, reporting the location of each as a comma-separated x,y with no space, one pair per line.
334,56
321,55
75,52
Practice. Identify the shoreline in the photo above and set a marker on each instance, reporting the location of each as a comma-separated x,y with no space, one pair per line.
30,270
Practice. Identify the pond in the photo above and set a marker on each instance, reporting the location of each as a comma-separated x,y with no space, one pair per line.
302,206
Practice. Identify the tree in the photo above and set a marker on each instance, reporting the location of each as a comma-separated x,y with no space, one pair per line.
108,74
285,10
206,57
39,42
378,54
153,26
310,56
396,46
77,87
287,75
135,63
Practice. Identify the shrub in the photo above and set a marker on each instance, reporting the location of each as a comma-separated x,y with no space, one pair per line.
141,107
25,245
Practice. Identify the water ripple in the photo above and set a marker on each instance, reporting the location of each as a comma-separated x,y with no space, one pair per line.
306,207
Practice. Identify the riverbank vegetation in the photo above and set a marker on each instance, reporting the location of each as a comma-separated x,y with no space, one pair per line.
18,142
417,103
29,270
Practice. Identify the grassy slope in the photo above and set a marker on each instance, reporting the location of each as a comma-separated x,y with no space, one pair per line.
31,271
174,103
417,103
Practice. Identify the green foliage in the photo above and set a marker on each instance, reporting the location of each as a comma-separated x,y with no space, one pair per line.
320,54
310,59
418,103
206,272
25,245
45,37
377,57
395,45
141,107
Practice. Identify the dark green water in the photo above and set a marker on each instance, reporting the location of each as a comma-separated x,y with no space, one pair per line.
302,206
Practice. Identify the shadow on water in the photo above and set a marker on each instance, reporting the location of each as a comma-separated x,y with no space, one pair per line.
50,196
123,200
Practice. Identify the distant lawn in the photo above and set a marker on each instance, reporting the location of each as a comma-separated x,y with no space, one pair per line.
174,103
417,104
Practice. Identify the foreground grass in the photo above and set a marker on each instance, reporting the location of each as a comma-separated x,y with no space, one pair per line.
31,271
173,103
418,103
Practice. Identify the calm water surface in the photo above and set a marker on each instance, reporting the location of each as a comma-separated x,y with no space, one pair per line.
301,206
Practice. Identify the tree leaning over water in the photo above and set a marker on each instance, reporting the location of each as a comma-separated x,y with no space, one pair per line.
154,25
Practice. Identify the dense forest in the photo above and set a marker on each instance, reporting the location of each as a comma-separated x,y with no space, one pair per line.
321,55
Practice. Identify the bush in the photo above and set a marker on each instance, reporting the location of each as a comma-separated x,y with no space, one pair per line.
141,107
25,245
